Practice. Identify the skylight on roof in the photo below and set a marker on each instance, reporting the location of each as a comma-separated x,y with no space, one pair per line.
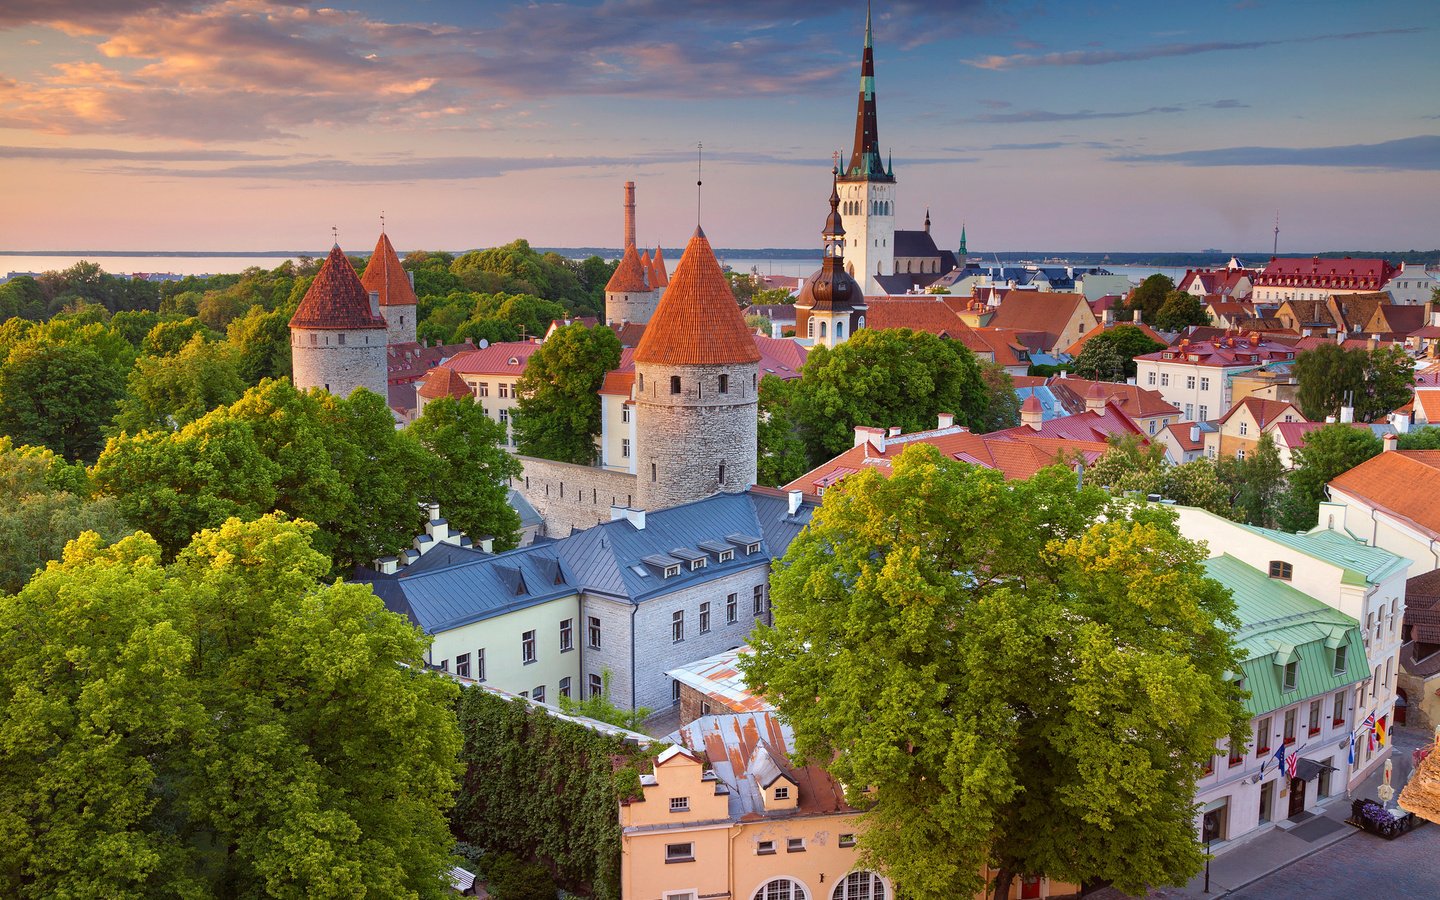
641,571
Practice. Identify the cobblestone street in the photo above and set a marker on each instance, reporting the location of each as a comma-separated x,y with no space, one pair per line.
1361,866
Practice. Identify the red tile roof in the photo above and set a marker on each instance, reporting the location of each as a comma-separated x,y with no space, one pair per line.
629,333
1428,400
1403,483
1343,274
442,382
1135,401
336,299
1241,349
629,277
407,362
619,380
1264,412
781,357
1075,348
657,265
1044,311
698,321
507,358
385,274
1084,426
1016,455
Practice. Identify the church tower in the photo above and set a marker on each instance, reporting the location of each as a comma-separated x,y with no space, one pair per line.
630,295
337,335
830,305
384,275
867,189
696,384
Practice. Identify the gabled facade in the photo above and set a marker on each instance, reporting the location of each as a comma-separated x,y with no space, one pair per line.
1197,375
1390,502
1318,279
1063,318
1238,432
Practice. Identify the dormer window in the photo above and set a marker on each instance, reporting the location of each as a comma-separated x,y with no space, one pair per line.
782,793
1292,671
726,555
752,548
1281,570
697,564
671,571
1340,659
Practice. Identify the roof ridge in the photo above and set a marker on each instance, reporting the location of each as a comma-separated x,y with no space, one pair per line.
336,299
697,321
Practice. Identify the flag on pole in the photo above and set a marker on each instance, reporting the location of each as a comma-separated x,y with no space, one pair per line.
1369,723
1369,726
1279,756
1352,749
1291,765
1380,732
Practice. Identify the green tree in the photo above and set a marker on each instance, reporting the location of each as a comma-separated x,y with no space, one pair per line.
890,377
1180,310
1327,452
1421,439
1149,296
1002,408
1373,382
1110,355
1034,639
44,504
1132,467
167,392
262,340
558,414
781,453
22,296
222,726
1258,482
170,336
602,709
59,394
475,470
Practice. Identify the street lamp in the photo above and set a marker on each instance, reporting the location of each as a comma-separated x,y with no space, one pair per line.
1207,865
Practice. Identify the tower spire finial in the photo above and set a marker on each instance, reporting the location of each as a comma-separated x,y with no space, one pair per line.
335,235
382,221
867,24
699,171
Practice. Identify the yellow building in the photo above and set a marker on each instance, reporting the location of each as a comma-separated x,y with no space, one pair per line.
728,815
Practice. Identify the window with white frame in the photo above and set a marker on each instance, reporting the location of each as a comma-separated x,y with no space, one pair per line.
677,626
504,389
480,664
732,609
567,635
565,687
1244,428
1340,661
596,686
1292,670
462,665
795,845
625,414
1190,382
704,618
527,647
759,599
625,448
863,886
593,632
680,852
679,804
539,693
1204,413
1204,384
1337,712
1151,379
764,848
1164,379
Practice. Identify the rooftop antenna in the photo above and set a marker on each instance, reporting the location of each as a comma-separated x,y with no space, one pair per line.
1275,248
699,168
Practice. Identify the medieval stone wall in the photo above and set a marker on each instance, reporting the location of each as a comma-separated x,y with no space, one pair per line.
399,324
686,437
569,497
339,360
630,306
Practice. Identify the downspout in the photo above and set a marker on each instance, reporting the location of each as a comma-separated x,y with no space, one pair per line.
634,608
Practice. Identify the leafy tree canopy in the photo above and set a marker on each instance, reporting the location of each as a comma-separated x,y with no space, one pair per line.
1110,355
167,392
1327,452
1180,310
1149,296
221,726
60,384
475,470
1054,664
1375,382
558,415
781,453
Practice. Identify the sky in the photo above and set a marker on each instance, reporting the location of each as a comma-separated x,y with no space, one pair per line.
241,125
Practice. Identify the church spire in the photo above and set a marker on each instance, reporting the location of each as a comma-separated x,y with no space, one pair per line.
962,244
865,159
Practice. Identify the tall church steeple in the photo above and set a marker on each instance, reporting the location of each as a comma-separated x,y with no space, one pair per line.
865,157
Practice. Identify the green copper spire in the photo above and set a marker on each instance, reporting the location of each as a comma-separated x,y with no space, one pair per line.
962,244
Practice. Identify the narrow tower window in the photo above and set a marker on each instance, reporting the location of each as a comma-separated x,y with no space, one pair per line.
724,384
674,384
722,473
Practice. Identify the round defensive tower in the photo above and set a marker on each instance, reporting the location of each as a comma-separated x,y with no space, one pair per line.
697,377
630,294
337,335
385,276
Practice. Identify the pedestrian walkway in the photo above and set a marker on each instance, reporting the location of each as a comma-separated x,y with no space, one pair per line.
1253,858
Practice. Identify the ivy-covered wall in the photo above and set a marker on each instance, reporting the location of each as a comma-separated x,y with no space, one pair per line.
545,789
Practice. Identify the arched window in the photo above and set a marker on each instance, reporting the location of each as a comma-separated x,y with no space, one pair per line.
839,330
810,327
861,323
860,886
822,329
782,889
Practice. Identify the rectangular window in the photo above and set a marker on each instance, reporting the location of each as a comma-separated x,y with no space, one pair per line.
1281,570
704,707
782,793
462,665
539,694
444,665
1190,382
483,389
674,691
341,338
1204,384
671,571
1290,726
1151,379
1190,411
1262,736
680,852
1244,428
567,635
764,848
504,416
704,618
1291,670
625,448
679,804
1204,413
1314,717
597,686
677,626
674,384
625,414
503,389
527,647
1267,801
794,845
1337,713
1165,379
480,664
759,599
1340,659
565,687
732,609
593,633
847,840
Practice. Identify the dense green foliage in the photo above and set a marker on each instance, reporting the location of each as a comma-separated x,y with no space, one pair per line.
45,503
544,789
1148,297
1054,663
168,391
1180,310
1427,438
473,480
1375,382
885,378
558,414
337,462
221,726
781,453
1110,355
1328,451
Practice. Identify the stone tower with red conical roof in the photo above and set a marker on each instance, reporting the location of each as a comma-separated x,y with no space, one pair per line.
696,383
630,294
337,335
385,276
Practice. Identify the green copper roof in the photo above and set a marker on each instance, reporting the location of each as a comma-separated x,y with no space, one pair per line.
1279,624
1362,564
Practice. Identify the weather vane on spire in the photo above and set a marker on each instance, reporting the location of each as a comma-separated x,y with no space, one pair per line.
335,235
699,170
382,221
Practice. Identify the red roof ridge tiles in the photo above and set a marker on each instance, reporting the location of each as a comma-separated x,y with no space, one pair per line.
385,275
629,277
697,321
336,300
442,381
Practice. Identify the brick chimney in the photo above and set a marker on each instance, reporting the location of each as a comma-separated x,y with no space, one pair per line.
629,214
